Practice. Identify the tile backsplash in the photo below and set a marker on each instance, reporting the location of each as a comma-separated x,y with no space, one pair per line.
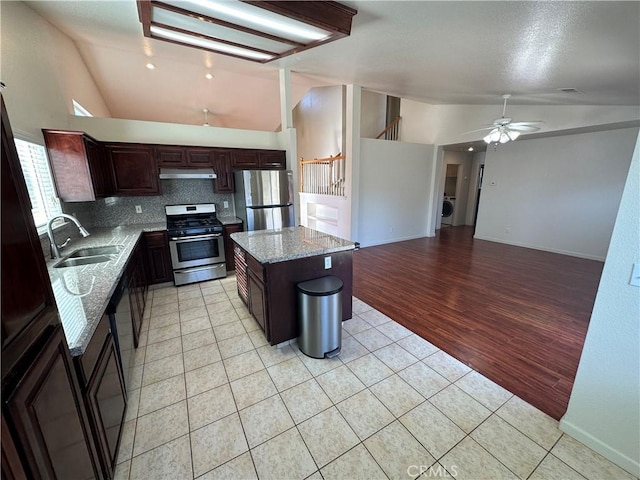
114,211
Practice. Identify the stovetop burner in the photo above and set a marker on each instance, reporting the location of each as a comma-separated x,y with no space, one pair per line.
190,220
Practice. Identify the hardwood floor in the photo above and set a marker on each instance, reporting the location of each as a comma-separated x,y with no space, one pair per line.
518,316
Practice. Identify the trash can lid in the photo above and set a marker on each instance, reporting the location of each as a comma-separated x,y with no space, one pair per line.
319,287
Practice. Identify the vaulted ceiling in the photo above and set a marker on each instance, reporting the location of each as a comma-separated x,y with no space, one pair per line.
447,52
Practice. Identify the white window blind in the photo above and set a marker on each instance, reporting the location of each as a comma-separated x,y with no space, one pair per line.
37,175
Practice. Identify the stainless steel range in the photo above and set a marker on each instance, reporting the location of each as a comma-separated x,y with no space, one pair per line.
195,243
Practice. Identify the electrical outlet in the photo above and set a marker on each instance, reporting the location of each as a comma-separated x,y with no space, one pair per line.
327,263
225,204
138,209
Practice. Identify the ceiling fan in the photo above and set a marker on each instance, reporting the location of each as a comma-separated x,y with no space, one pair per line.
504,128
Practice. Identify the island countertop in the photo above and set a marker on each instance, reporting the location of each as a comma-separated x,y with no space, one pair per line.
289,243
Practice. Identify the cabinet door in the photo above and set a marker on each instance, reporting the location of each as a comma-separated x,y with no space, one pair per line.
107,403
228,245
224,172
28,305
100,175
158,258
245,159
199,157
257,300
133,169
168,156
272,159
47,417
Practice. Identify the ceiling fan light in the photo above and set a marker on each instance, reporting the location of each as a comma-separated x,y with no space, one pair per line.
504,138
513,134
487,139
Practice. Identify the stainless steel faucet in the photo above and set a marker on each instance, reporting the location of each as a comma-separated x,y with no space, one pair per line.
55,253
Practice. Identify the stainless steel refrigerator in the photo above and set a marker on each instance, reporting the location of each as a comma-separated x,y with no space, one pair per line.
264,198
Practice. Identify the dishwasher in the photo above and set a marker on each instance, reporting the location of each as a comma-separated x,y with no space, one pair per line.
121,325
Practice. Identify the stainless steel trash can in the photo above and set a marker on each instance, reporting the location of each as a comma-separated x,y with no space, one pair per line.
319,314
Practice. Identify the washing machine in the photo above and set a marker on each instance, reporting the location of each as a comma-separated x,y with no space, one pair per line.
448,207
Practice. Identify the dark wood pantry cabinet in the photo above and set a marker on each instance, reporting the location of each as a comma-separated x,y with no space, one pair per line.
45,432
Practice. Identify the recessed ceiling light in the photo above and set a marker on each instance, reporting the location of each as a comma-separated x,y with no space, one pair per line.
208,76
150,66
470,149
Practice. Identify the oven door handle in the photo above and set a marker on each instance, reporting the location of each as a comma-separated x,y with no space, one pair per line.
195,237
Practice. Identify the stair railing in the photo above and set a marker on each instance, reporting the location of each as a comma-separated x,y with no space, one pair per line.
323,175
391,131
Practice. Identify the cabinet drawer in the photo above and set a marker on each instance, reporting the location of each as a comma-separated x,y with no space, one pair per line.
90,357
256,267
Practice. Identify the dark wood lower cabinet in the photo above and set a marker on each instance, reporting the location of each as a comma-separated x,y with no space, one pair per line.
46,420
103,390
258,301
159,268
228,244
138,288
272,296
106,403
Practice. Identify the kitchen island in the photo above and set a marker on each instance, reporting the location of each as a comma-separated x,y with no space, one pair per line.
269,265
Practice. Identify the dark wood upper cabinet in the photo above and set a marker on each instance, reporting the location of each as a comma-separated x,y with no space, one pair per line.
272,159
258,159
224,172
134,169
199,157
169,156
245,159
78,164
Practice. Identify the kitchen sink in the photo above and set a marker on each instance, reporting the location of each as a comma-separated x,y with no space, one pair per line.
93,251
75,262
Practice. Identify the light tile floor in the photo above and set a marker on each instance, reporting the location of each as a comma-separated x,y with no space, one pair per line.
211,399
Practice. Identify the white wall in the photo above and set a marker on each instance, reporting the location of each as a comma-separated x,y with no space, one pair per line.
448,124
120,130
318,120
604,408
394,180
43,71
477,160
559,194
372,113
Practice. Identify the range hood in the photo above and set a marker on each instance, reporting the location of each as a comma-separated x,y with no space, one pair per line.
203,173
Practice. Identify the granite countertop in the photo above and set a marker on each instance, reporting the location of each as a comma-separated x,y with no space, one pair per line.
83,292
229,220
272,246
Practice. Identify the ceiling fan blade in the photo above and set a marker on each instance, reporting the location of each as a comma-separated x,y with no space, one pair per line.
532,122
480,130
523,128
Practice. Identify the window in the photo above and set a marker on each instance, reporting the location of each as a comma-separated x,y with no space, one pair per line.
37,175
80,111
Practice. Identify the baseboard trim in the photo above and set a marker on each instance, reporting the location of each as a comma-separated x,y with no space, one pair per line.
537,247
630,465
